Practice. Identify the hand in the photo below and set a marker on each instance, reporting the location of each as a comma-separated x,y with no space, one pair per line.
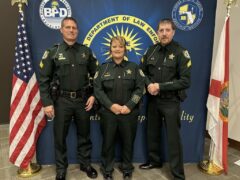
125,110
49,111
89,103
153,88
116,109
157,89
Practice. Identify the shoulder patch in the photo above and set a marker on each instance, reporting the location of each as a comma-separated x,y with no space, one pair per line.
45,55
186,54
141,73
96,75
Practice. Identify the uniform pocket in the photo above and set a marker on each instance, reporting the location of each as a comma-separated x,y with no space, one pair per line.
129,81
108,82
82,63
64,67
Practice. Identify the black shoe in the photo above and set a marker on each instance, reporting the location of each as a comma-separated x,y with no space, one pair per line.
90,171
60,176
149,166
107,177
127,176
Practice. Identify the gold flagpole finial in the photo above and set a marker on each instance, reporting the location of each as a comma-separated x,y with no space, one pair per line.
20,4
229,4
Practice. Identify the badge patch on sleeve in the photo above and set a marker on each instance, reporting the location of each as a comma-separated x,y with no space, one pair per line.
45,55
141,73
135,98
96,75
186,54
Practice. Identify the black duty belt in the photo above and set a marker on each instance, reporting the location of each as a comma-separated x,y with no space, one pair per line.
71,94
167,95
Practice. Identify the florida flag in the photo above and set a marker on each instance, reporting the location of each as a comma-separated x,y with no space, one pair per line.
218,101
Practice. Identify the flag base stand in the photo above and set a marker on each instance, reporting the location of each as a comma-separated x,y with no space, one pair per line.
210,168
32,170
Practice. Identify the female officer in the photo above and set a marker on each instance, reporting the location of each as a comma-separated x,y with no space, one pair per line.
118,86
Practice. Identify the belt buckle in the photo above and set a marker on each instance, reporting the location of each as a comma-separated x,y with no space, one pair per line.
73,95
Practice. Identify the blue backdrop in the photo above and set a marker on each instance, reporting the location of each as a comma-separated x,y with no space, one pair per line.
136,20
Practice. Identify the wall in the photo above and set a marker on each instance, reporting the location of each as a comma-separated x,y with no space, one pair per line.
8,30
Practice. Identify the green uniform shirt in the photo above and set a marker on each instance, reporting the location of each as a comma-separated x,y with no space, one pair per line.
171,70
71,65
122,84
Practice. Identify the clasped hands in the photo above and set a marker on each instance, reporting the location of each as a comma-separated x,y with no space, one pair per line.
118,109
153,88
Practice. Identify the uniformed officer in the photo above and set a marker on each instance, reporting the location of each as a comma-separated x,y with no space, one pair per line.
167,68
70,64
118,86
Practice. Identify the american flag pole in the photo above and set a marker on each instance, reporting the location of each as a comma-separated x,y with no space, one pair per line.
26,114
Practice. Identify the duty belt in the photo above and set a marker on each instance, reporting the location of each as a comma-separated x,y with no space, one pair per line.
167,95
71,94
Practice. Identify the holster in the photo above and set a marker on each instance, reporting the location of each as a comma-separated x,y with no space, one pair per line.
54,90
182,95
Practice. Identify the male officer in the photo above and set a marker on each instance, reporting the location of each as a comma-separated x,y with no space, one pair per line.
167,68
70,64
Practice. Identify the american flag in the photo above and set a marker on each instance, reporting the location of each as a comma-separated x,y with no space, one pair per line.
26,114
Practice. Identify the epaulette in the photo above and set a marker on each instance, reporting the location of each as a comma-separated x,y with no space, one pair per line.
106,62
54,46
57,44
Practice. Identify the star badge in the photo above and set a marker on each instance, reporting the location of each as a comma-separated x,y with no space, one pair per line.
83,55
171,56
129,71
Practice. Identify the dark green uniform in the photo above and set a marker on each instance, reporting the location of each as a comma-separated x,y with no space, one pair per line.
170,67
122,84
71,65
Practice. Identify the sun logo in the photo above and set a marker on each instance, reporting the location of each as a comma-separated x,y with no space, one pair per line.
137,33
132,41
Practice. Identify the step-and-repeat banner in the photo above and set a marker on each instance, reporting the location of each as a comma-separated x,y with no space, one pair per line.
136,20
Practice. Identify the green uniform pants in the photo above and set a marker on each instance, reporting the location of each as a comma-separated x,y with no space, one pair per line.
65,110
165,111
125,126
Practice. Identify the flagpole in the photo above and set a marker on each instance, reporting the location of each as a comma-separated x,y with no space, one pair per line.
33,168
208,166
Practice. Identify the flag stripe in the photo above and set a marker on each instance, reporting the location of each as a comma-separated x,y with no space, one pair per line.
31,152
18,90
226,77
24,107
28,138
26,133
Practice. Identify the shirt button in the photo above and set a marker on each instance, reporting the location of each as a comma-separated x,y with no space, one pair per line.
72,65
119,77
159,68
